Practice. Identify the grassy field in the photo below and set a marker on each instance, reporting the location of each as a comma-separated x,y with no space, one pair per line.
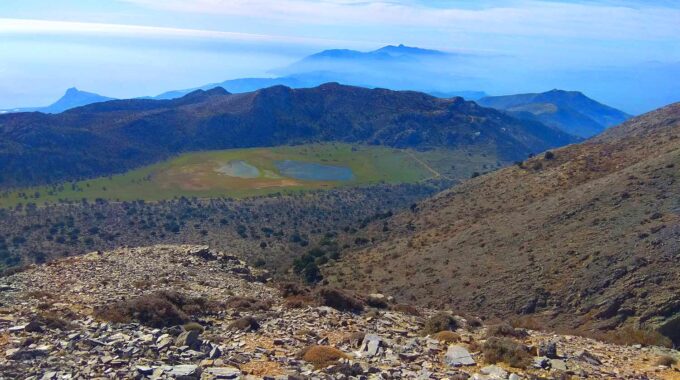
198,174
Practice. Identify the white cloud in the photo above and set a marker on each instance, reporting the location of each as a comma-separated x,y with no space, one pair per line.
10,26
521,17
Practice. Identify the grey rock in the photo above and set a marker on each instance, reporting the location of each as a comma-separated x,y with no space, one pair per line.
588,358
144,370
548,349
514,376
558,364
185,371
215,353
222,373
457,356
371,345
189,339
541,362
494,372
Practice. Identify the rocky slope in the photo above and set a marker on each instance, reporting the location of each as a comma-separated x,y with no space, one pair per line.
584,238
114,136
56,323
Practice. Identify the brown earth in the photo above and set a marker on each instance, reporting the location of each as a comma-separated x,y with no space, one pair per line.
586,240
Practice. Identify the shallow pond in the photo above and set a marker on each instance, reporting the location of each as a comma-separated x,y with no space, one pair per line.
240,169
308,171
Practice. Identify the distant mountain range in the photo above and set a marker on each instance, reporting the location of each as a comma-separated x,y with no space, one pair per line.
71,99
394,67
110,137
570,111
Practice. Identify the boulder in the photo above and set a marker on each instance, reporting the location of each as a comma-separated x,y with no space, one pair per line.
184,371
548,349
371,345
457,356
189,339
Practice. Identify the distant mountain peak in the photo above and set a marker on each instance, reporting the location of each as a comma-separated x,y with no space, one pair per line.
571,111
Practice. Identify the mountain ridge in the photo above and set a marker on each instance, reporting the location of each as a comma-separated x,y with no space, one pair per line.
99,138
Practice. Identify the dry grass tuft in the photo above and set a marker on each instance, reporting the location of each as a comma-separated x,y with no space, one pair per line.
447,336
321,356
666,360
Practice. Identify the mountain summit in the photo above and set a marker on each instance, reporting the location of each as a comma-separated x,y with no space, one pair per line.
71,99
571,111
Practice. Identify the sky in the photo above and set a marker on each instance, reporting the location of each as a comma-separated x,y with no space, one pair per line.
625,53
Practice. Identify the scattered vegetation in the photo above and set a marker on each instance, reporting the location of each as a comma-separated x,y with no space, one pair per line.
441,321
160,309
245,324
193,326
667,360
248,304
629,335
447,336
506,350
340,300
406,309
505,330
321,356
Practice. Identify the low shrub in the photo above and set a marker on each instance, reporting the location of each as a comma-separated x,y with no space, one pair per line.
289,289
151,310
298,302
248,304
666,360
527,322
339,300
629,335
406,309
54,321
505,330
439,322
193,326
321,356
159,309
447,336
506,350
354,339
245,324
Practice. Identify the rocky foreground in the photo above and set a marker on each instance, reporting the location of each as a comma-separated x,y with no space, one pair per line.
188,312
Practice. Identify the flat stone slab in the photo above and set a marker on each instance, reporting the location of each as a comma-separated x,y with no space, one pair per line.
457,356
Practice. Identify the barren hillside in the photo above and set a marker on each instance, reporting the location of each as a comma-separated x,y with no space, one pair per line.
586,237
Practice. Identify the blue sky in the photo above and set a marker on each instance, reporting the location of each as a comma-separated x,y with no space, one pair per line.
127,48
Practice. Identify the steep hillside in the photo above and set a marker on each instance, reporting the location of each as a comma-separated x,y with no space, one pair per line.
111,137
570,111
584,238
